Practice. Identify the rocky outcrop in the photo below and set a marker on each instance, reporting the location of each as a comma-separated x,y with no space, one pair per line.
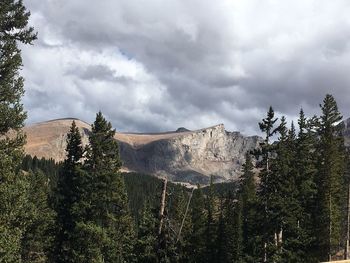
192,157
182,156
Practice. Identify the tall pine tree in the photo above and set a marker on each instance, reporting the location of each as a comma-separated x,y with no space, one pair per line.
38,237
13,185
108,223
198,217
265,190
67,197
330,180
250,213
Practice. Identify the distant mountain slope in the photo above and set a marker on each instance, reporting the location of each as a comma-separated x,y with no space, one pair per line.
186,156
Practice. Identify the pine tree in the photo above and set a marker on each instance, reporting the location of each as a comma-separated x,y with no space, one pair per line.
265,190
198,218
145,247
210,230
287,209
108,222
250,213
68,195
37,238
230,230
304,167
330,179
13,186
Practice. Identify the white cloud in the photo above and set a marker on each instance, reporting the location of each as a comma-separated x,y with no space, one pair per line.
156,65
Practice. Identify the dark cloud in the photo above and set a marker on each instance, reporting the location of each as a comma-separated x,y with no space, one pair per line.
159,65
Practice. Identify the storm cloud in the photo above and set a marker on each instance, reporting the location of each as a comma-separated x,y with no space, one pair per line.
157,65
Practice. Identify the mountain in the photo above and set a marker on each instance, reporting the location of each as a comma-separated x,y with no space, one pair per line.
181,156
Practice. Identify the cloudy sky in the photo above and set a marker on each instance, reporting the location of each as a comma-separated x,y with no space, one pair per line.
155,65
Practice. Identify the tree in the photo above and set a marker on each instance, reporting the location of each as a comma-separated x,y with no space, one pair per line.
68,194
330,180
304,168
145,247
198,218
210,229
38,237
230,230
107,220
250,213
266,126
13,184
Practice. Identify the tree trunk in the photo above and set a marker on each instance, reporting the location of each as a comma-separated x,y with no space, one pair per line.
162,207
184,218
346,250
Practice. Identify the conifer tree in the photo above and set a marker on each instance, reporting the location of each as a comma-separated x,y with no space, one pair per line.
38,236
68,195
330,179
304,167
198,218
108,222
13,185
250,213
286,208
210,230
266,126
145,247
231,230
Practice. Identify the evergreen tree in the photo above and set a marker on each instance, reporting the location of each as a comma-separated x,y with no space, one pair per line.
265,190
250,213
210,230
145,247
13,184
67,195
38,236
231,231
198,217
108,223
286,208
330,179
304,167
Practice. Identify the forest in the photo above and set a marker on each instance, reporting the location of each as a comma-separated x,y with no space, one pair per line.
290,204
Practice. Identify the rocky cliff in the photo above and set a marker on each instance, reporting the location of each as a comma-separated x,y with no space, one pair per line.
192,156
183,156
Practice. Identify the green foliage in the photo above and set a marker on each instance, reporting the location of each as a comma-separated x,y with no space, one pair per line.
211,225
251,216
330,179
38,238
145,247
198,218
14,203
67,197
106,213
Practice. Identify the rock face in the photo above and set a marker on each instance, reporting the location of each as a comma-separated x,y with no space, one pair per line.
194,156
186,156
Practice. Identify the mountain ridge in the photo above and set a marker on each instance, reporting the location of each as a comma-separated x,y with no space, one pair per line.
186,156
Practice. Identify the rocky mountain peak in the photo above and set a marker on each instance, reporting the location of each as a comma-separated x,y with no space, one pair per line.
182,156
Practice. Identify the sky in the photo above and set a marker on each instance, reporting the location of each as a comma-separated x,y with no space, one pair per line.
156,65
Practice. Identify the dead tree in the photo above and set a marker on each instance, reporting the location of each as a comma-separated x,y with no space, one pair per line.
162,207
